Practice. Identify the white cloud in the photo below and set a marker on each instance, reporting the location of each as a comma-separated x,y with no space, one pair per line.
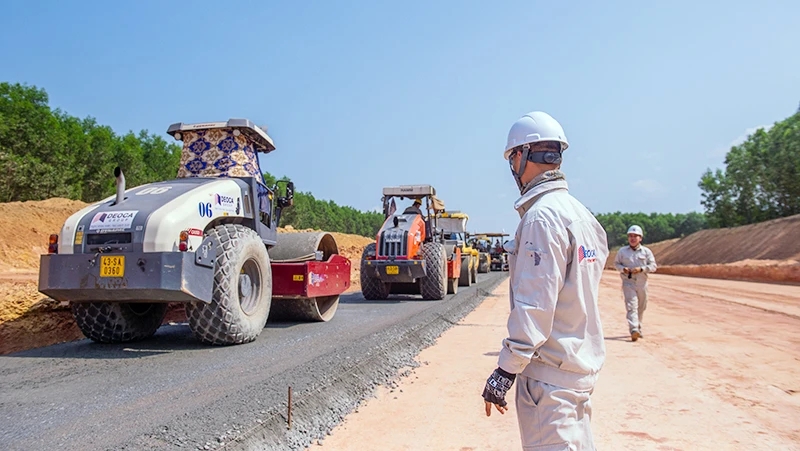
649,186
721,151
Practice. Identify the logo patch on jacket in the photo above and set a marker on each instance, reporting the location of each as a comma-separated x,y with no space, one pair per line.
590,255
534,252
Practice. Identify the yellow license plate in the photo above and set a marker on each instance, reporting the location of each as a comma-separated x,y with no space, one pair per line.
112,266
392,270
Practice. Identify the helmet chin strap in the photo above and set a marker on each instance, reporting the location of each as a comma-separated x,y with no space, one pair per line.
523,162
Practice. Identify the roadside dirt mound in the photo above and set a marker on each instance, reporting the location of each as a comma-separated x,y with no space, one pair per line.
25,228
29,319
763,252
770,271
778,239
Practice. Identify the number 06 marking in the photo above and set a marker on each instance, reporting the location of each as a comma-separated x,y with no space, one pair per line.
205,209
154,190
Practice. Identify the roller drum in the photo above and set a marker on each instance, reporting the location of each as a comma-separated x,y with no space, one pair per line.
297,248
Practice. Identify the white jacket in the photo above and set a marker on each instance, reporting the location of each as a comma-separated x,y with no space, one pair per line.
555,333
641,257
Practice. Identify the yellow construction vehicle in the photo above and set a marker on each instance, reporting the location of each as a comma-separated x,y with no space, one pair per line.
454,226
482,244
499,257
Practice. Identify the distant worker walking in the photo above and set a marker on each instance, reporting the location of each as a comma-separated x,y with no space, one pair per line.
635,262
554,347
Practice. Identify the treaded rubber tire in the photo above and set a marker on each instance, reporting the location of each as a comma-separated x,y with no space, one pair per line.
465,278
118,322
224,321
372,288
434,284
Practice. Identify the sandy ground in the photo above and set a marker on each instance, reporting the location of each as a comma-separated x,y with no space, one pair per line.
718,369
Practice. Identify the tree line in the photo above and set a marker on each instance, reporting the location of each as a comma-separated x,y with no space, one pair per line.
655,226
761,179
48,153
308,212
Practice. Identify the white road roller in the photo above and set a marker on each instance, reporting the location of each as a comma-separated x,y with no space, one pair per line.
207,238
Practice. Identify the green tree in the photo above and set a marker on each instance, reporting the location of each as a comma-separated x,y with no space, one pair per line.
761,179
46,153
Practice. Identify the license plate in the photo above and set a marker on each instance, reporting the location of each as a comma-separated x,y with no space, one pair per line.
112,266
392,270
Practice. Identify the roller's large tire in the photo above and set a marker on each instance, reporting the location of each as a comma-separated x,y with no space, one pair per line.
474,273
372,288
465,277
242,289
434,284
118,322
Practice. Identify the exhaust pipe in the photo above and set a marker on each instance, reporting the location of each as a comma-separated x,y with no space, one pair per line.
120,185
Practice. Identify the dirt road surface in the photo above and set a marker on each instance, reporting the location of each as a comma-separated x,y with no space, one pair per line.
718,369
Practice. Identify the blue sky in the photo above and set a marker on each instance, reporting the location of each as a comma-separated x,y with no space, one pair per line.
360,95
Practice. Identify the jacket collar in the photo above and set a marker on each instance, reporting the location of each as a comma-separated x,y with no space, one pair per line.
535,192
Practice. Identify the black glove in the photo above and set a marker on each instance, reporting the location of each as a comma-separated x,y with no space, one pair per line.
497,385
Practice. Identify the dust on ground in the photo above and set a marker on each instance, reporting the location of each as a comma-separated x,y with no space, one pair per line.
29,319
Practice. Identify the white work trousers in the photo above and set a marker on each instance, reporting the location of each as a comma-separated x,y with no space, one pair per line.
552,418
635,292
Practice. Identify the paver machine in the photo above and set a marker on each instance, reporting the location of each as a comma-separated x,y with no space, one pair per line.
482,244
454,227
207,239
410,254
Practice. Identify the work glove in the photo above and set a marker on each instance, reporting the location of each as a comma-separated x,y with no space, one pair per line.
496,388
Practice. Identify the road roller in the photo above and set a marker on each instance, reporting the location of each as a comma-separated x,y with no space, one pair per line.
208,238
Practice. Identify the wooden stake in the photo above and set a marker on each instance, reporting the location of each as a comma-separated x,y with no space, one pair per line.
290,407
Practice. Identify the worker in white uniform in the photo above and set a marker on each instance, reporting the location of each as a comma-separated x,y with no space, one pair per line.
635,262
554,347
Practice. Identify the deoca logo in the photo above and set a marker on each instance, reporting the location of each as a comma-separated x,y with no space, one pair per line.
223,200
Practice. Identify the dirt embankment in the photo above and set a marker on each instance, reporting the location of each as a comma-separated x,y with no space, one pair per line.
763,252
25,228
28,319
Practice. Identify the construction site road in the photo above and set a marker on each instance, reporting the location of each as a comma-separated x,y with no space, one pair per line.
718,369
172,392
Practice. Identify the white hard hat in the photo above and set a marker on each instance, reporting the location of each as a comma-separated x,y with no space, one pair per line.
636,230
534,127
